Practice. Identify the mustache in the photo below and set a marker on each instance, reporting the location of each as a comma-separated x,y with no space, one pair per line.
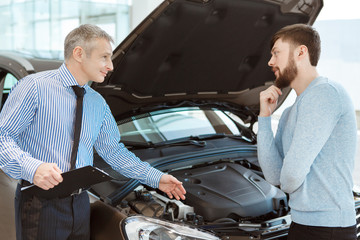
274,69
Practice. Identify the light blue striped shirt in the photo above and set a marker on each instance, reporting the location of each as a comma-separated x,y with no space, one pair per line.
36,126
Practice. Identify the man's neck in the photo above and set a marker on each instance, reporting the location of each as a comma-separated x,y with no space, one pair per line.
74,67
303,80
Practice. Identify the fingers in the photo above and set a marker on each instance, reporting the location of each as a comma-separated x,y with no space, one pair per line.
278,90
272,89
47,176
268,100
169,195
179,190
56,168
57,176
172,187
272,97
275,88
271,94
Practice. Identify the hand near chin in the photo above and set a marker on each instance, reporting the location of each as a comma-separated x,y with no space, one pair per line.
47,176
172,187
268,100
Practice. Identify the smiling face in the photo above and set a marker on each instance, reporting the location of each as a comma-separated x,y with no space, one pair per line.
96,62
283,64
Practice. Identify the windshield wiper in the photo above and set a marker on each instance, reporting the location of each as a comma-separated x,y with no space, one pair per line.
176,142
198,140
180,142
134,144
222,135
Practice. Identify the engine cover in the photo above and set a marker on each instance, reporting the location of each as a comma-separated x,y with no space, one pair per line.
224,189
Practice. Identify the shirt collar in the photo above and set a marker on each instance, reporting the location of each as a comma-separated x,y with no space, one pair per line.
67,78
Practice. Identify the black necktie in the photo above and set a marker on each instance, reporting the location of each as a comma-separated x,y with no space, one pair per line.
77,126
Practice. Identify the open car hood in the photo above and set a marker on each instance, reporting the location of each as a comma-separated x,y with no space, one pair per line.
199,52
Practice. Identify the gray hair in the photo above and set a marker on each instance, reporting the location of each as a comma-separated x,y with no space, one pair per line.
83,36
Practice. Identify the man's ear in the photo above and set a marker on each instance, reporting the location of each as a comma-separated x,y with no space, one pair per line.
301,51
78,53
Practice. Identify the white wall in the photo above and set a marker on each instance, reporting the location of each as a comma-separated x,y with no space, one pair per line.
140,9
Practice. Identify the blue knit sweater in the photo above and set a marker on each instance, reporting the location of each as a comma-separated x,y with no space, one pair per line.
312,155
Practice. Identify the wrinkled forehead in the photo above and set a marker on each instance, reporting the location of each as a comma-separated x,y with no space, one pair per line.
100,45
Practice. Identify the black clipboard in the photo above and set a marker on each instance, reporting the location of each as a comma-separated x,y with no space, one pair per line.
72,180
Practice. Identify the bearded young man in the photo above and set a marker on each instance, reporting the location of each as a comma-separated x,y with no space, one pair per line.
312,155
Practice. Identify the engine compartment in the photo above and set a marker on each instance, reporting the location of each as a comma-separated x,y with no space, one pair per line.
226,196
229,190
220,192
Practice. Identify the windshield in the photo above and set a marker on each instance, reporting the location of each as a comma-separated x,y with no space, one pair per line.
160,126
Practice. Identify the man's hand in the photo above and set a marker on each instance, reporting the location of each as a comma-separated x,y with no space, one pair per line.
47,176
268,101
172,187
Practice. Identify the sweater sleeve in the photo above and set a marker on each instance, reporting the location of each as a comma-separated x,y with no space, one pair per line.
269,150
318,112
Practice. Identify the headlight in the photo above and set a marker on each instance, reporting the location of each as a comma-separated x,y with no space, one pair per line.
144,228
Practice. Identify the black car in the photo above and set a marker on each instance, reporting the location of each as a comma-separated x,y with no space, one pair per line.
185,94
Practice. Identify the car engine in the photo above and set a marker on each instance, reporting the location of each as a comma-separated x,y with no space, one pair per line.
223,192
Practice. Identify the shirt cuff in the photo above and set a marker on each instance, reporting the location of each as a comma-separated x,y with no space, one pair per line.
30,165
153,177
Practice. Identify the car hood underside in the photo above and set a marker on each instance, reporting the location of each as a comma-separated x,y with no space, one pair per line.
200,50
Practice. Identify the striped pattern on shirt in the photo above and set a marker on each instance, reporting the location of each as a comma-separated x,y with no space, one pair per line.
36,126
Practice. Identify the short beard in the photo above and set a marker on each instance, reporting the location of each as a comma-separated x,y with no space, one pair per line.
290,72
